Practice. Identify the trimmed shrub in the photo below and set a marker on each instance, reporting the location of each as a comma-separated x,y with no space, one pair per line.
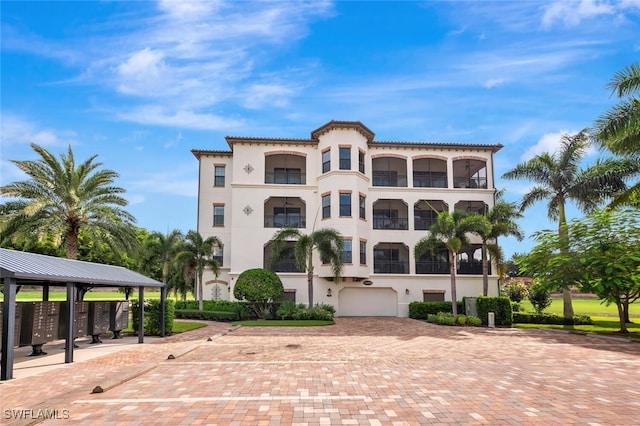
238,308
152,316
461,320
474,321
260,288
289,310
530,318
539,296
206,315
420,310
500,306
515,290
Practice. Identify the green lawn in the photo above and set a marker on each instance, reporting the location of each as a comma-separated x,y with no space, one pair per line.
582,306
29,295
283,323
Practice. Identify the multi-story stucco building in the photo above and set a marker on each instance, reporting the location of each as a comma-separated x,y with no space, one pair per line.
381,196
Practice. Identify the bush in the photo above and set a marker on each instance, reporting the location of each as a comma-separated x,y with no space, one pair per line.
152,314
461,320
500,306
540,297
529,318
238,308
289,310
474,321
206,315
515,290
260,288
420,310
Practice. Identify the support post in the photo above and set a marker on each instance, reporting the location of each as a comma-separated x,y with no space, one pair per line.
8,328
71,304
141,314
163,310
45,293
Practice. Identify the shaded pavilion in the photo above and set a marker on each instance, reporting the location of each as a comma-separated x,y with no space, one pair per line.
19,268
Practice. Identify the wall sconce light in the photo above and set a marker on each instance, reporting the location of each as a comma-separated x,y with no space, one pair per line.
406,291
329,293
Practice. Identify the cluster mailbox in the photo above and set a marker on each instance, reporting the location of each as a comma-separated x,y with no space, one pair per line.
99,316
80,319
39,324
118,317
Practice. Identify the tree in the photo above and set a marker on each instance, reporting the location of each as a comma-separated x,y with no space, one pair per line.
539,296
618,129
559,179
327,242
603,256
450,230
499,221
63,198
161,250
197,254
260,287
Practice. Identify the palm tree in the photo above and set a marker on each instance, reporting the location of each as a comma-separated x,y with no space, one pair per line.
499,221
64,198
560,179
619,128
450,230
163,248
197,255
328,243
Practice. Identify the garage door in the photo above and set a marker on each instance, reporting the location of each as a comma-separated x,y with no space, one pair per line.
368,302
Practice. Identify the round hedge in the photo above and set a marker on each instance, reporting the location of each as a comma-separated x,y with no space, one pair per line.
258,285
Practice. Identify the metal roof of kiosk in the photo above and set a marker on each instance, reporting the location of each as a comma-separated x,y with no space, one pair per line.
20,268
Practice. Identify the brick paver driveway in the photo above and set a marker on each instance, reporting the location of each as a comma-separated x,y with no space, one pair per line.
369,371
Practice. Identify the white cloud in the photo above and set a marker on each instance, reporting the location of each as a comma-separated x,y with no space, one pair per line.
572,13
159,116
494,82
260,95
16,130
550,142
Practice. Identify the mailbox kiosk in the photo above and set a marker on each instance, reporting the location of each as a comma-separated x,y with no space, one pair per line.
39,325
98,319
118,317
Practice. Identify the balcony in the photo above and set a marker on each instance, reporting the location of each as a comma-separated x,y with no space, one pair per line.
470,268
469,174
285,221
389,171
429,173
287,265
425,213
391,258
285,169
385,222
285,212
390,214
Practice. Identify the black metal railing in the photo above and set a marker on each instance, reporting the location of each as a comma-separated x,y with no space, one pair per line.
287,265
386,178
285,221
384,222
429,180
423,223
463,182
390,267
470,268
285,178
432,267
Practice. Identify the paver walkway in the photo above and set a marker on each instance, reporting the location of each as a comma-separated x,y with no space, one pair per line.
367,371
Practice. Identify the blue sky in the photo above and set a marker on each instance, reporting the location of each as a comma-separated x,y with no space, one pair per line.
141,83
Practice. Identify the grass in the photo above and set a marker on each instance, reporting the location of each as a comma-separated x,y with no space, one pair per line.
183,326
585,306
31,295
283,323
601,325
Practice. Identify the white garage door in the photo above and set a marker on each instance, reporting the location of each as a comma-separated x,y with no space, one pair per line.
368,302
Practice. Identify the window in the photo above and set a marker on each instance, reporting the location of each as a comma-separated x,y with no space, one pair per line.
218,254
346,251
326,161
218,215
361,161
287,217
363,252
345,158
362,204
345,204
326,206
219,176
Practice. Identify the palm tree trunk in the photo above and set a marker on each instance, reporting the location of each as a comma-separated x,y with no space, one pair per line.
72,244
563,233
310,287
200,293
485,270
452,272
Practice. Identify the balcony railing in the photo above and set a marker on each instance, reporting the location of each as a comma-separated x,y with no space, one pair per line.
386,178
285,178
390,267
422,223
432,267
470,268
429,180
287,265
282,221
390,222
463,182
